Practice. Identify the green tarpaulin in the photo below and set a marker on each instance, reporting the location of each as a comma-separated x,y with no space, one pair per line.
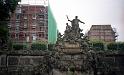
52,27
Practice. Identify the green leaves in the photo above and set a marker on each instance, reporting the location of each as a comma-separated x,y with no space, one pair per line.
51,47
116,46
38,46
98,45
13,4
6,6
19,47
110,46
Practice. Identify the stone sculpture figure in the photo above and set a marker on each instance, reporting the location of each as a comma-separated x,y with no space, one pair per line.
75,23
73,32
67,32
68,28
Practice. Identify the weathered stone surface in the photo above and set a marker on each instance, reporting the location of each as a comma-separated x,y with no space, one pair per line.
72,50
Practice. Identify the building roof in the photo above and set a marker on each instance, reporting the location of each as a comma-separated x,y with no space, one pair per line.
101,27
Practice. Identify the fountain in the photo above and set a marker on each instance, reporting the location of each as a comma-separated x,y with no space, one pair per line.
73,51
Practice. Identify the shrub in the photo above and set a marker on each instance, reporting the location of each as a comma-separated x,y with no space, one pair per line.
112,46
19,46
51,47
115,46
38,46
98,45
120,46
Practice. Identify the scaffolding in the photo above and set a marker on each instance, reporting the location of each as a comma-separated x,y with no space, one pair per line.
30,36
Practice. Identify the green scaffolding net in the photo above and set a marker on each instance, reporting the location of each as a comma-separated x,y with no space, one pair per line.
52,27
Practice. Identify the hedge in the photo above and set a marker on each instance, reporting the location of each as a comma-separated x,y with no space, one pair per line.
116,46
38,46
98,45
51,47
19,46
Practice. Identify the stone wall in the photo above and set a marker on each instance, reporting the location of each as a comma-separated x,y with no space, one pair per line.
23,64
15,64
57,72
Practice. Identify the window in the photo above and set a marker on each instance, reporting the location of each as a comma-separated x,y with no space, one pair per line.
39,35
46,36
46,16
9,25
42,34
33,16
17,16
22,35
16,35
12,35
25,16
25,24
34,37
46,22
33,27
46,29
41,16
102,37
24,10
108,33
17,28
34,23
41,23
17,24
41,28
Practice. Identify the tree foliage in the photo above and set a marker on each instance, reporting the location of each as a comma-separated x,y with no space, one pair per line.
6,8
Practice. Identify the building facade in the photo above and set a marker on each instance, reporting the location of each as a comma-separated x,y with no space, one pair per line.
29,23
102,33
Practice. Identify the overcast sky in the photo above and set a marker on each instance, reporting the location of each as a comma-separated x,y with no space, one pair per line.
89,11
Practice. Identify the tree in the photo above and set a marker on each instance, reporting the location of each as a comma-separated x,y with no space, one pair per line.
6,8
